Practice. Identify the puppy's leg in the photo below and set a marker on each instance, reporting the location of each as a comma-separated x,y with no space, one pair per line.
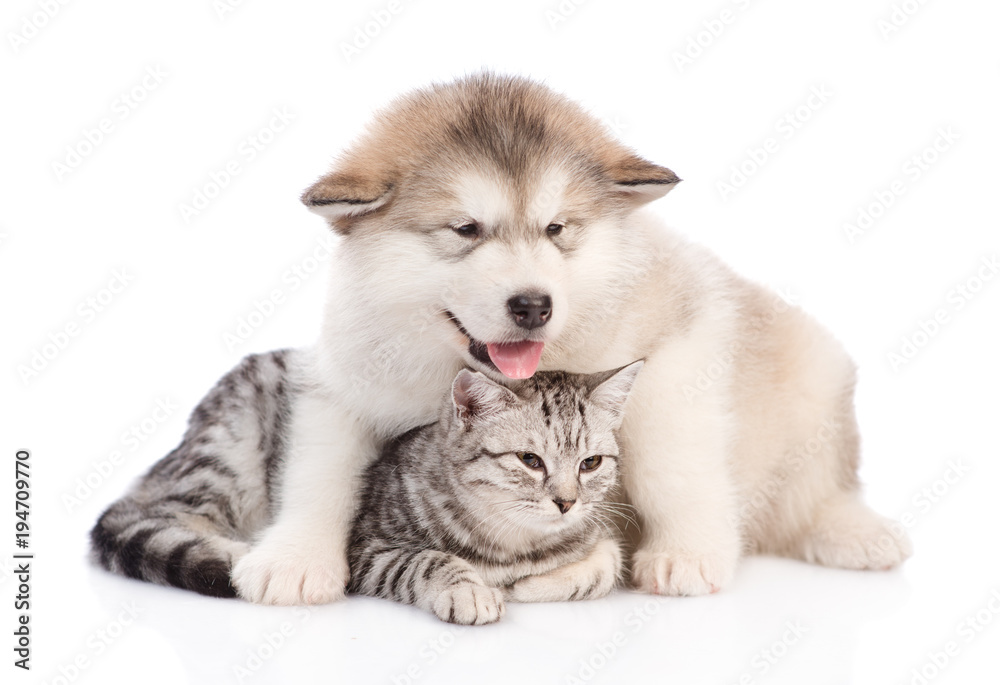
676,473
590,578
845,533
302,557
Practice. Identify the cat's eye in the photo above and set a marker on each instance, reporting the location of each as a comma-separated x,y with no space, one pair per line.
590,463
530,459
469,230
554,228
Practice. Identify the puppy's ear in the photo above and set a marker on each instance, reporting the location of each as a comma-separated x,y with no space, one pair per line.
639,181
341,197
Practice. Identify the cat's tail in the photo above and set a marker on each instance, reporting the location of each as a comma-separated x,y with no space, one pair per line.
162,545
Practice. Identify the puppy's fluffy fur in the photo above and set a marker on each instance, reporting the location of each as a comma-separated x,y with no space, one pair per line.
740,434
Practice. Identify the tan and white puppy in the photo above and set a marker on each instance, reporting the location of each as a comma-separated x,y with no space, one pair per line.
492,223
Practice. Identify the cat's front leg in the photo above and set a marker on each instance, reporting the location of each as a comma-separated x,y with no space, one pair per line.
302,557
592,577
442,583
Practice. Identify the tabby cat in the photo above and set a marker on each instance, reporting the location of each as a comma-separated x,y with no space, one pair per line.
503,497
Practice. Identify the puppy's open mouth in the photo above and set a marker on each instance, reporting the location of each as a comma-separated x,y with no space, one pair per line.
514,360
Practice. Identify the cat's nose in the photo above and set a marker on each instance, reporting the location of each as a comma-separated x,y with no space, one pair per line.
564,504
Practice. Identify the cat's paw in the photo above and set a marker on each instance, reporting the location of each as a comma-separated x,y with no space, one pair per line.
590,578
661,573
276,574
555,588
470,604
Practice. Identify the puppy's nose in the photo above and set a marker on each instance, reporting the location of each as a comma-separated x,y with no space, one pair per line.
530,310
564,504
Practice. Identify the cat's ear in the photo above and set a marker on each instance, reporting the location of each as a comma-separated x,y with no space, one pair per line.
613,387
476,397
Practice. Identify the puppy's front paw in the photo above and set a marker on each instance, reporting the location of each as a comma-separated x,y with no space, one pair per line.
660,573
278,574
469,604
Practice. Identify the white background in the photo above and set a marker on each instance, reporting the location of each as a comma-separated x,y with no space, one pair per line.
162,339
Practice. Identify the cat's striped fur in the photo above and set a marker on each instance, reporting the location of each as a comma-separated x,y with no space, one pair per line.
505,496
196,512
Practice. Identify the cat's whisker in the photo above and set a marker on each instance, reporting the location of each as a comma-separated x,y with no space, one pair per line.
497,534
620,510
601,521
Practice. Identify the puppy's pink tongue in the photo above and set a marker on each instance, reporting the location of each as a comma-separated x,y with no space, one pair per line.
516,360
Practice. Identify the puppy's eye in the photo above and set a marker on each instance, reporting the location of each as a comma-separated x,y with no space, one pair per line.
530,459
469,230
554,229
590,463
